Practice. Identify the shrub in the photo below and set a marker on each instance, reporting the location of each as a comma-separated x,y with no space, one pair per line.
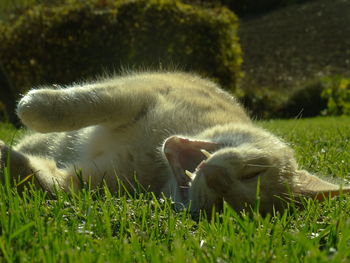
7,101
306,102
325,96
337,93
263,103
67,43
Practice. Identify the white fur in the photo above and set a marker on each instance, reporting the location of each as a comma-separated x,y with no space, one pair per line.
114,130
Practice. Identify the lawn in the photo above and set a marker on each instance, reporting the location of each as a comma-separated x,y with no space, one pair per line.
99,227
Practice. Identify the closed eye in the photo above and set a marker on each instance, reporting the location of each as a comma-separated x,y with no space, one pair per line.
253,170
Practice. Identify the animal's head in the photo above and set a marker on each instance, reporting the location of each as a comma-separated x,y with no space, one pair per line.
238,168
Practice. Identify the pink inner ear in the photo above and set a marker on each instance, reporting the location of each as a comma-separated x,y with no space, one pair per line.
185,154
314,187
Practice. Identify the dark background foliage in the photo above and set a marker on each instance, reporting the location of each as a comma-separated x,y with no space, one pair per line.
289,47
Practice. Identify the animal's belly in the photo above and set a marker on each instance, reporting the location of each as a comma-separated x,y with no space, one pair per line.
116,159
136,171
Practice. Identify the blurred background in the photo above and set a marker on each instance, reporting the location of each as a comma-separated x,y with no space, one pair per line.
281,58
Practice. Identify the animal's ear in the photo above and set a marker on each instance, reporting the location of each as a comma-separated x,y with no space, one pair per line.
309,185
184,154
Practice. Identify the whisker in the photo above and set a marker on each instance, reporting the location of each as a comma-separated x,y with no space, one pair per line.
261,165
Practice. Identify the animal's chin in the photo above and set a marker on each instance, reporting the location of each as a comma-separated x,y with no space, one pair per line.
186,156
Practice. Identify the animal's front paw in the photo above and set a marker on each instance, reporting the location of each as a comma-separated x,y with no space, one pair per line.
36,108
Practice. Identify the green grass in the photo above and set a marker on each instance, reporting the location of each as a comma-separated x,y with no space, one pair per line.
99,227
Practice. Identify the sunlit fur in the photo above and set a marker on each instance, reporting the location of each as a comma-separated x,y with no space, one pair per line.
113,131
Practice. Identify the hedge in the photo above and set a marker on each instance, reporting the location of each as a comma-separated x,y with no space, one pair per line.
7,100
83,39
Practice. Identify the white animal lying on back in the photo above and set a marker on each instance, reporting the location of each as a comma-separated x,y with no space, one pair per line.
172,133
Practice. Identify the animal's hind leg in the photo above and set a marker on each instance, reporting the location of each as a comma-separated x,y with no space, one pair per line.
43,172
